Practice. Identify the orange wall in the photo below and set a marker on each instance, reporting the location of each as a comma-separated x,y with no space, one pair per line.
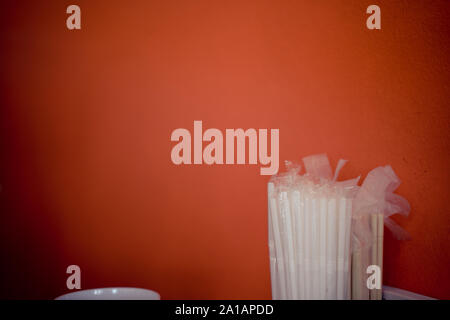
86,118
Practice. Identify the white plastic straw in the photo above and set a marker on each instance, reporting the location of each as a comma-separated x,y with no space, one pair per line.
380,235
374,227
308,241
323,248
348,221
272,253
315,254
300,234
341,248
290,259
356,275
278,249
332,250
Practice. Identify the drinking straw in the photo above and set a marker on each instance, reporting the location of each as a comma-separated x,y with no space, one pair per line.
356,275
286,212
323,248
348,221
303,221
366,252
278,248
299,232
380,236
365,292
308,278
374,227
341,248
273,260
284,243
272,253
331,250
315,254
294,221
273,275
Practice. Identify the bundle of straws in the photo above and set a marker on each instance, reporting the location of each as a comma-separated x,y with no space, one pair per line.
309,237
321,229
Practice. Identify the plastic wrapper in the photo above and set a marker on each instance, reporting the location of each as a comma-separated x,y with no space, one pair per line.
374,203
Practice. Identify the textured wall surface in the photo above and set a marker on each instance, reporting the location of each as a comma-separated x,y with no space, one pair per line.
86,117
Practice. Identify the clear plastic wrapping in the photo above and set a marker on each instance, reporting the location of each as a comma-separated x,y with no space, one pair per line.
374,203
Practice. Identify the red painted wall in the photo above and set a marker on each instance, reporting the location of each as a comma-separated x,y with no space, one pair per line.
86,117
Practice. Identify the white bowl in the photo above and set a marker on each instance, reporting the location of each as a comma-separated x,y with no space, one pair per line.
118,293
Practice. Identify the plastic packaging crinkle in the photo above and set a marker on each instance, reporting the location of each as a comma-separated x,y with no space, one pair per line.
316,221
374,203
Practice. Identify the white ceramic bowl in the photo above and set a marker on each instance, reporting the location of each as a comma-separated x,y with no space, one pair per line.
119,293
